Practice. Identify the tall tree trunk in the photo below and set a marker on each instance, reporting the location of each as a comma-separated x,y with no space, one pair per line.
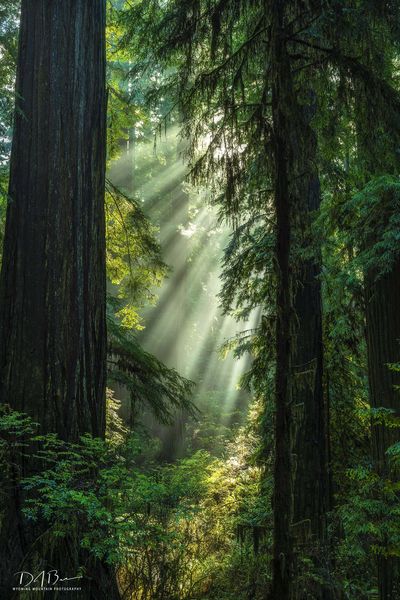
382,297
282,95
310,444
383,343
52,287
382,312
301,495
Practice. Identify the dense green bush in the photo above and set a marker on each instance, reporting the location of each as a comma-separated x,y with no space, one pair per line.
191,529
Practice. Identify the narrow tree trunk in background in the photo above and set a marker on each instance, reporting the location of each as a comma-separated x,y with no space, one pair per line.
282,569
382,297
173,438
52,288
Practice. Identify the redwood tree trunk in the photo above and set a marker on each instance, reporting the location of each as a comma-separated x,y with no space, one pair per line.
52,286
311,493
282,95
311,489
383,346
382,315
301,484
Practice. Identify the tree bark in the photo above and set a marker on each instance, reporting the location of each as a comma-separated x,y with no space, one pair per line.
282,94
301,494
52,286
382,312
382,297
311,426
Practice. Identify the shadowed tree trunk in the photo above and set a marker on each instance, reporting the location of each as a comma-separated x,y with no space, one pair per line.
52,288
383,342
310,444
282,96
301,494
382,297
382,310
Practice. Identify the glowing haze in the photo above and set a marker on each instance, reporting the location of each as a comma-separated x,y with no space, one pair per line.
186,328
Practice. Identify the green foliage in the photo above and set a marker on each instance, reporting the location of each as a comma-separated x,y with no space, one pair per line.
201,528
248,268
15,431
134,263
148,380
370,522
368,517
371,219
9,16
169,529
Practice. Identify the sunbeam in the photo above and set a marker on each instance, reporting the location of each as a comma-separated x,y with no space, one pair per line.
186,328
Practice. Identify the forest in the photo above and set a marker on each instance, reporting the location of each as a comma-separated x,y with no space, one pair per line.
200,299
